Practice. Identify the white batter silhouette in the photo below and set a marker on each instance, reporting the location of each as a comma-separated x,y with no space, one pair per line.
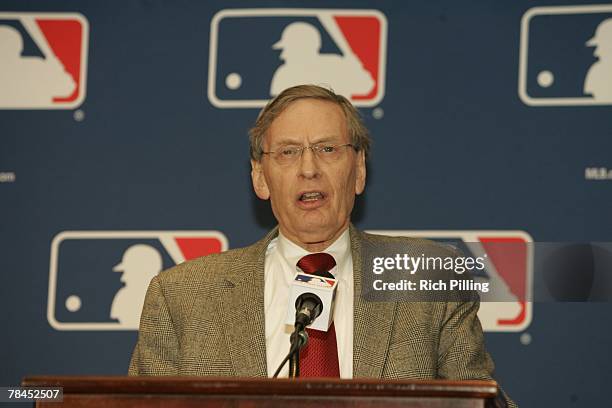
499,303
139,265
30,81
304,64
598,81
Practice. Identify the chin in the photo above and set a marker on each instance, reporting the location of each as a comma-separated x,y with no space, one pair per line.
317,233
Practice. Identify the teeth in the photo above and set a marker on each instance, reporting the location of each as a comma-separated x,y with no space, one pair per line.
311,196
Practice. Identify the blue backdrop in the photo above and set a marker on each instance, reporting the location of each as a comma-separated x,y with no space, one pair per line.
480,122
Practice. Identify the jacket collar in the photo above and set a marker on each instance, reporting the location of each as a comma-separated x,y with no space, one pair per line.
372,321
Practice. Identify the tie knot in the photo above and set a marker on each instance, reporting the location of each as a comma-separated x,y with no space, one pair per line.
317,264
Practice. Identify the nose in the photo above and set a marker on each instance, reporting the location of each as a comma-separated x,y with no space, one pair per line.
309,167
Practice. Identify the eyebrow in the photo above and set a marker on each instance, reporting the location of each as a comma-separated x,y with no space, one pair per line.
290,141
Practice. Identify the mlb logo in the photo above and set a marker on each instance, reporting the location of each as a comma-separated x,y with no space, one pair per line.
43,60
508,259
98,279
566,56
256,53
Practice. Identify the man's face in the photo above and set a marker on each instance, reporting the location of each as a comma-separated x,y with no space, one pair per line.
311,199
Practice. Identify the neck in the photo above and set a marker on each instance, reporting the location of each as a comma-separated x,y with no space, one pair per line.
314,246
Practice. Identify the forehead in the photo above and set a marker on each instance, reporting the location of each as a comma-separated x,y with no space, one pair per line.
309,120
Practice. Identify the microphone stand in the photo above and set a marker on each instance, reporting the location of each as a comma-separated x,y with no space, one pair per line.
299,339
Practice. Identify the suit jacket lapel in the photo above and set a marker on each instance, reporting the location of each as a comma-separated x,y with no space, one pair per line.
373,321
242,309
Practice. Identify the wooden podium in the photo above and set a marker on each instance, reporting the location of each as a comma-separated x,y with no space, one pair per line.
123,392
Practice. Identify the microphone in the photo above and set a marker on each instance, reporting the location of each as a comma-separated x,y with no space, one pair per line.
308,307
311,301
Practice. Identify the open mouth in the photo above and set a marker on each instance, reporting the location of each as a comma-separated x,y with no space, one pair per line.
311,196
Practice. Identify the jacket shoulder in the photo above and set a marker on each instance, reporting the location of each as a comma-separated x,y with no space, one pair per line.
426,246
210,268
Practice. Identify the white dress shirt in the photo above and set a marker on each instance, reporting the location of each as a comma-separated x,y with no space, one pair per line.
282,257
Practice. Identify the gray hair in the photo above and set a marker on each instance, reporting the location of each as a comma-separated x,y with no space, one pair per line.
360,137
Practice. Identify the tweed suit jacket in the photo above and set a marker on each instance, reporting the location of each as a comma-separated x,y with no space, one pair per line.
205,317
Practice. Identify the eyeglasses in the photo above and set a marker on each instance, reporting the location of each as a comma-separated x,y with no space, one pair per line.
327,153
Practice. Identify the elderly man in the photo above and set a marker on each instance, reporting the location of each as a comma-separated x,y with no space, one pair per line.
223,315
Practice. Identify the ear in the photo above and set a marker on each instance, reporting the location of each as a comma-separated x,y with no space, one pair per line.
360,169
259,180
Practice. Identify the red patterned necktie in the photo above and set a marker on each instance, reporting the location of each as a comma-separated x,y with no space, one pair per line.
320,356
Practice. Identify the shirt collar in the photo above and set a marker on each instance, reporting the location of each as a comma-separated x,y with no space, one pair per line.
292,252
